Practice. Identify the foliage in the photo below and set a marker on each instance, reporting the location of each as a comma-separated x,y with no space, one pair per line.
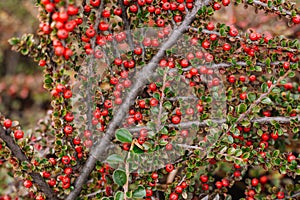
153,99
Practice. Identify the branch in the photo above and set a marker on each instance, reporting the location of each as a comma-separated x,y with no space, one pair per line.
257,101
126,23
19,154
205,122
272,7
141,79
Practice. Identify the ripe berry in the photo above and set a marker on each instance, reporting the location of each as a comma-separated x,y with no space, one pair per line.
169,168
233,32
176,119
210,26
62,34
243,96
95,3
18,134
27,183
133,8
203,178
217,6
274,136
7,123
254,182
68,129
286,65
263,179
219,184
52,182
184,63
231,79
65,160
178,189
205,44
149,192
226,47
296,19
265,137
225,182
205,187
252,78
280,195
253,36
237,173
173,196
225,2
291,157
154,175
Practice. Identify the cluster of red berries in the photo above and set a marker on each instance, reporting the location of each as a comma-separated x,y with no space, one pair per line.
60,89
64,23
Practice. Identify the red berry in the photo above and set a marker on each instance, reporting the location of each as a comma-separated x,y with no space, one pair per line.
154,175
226,47
184,63
176,119
219,184
18,134
178,189
225,2
65,160
252,78
263,179
265,137
210,26
203,178
46,174
149,192
274,136
286,65
254,182
52,182
7,123
231,79
95,3
169,168
27,183
173,196
237,173
296,19
243,96
233,32
205,44
225,182
217,6
280,195
291,157
205,187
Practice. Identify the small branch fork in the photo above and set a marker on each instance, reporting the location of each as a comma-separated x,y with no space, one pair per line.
20,155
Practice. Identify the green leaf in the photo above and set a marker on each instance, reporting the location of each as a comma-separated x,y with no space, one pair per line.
140,192
114,159
264,87
266,100
242,108
14,41
238,153
123,135
119,196
119,177
268,62
167,105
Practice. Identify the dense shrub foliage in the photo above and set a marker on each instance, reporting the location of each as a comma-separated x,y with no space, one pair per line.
153,100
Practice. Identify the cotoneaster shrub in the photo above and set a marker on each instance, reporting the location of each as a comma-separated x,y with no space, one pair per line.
152,100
